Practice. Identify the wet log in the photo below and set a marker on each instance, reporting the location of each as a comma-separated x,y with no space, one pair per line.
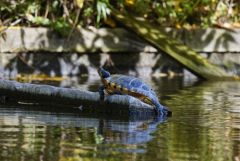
186,56
85,101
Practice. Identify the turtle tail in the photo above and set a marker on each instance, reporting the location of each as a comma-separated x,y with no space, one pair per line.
103,73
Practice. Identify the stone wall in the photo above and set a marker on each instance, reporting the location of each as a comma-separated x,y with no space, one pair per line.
114,40
117,47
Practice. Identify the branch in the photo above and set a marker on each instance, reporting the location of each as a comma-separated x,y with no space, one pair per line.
181,53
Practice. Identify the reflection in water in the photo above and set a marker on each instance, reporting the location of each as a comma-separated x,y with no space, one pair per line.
205,126
55,136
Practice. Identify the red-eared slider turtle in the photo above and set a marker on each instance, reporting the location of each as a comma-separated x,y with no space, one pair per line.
128,85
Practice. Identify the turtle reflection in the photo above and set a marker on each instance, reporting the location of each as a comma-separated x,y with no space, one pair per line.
132,130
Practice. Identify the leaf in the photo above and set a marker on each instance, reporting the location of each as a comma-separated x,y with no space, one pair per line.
61,26
110,22
38,20
98,12
129,2
102,10
80,3
55,4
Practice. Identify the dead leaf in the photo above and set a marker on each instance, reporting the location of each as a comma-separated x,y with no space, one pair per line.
80,3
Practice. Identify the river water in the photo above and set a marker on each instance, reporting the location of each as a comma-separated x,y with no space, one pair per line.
205,126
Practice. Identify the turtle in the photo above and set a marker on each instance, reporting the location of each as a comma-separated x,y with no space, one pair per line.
129,85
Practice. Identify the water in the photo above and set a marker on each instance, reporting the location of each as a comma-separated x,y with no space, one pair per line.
205,126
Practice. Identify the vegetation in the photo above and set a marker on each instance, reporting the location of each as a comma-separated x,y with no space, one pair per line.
63,15
177,13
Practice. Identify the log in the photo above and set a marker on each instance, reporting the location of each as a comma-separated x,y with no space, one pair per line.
187,57
86,101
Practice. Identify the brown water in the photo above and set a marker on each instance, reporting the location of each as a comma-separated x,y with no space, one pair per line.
205,126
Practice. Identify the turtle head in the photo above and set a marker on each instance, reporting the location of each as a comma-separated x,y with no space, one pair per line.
162,110
103,73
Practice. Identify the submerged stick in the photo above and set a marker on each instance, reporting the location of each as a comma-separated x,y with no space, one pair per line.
65,96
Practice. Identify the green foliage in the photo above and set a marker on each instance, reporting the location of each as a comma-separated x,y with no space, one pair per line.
102,10
63,15
61,26
177,13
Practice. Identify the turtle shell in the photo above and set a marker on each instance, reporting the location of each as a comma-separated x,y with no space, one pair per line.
122,84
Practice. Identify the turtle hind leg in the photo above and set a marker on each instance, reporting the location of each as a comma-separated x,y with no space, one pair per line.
101,93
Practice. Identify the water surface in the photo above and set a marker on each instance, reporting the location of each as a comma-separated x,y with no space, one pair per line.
205,126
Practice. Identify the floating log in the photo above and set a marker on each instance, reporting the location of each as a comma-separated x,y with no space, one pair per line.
197,64
85,101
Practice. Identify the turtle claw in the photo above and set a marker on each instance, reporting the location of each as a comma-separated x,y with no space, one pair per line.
163,112
101,93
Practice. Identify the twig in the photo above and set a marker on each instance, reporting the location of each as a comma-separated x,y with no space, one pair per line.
6,27
24,61
47,9
65,9
75,24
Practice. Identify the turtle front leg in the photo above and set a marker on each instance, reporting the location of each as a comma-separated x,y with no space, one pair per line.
162,110
101,93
